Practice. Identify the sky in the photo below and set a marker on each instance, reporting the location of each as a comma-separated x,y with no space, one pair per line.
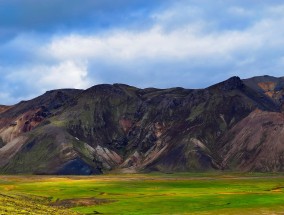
52,44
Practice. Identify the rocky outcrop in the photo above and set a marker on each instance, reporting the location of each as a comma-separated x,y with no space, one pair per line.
232,84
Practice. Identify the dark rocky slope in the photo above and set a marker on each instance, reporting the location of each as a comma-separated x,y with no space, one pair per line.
121,128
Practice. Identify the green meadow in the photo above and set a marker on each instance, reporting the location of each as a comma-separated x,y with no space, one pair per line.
188,193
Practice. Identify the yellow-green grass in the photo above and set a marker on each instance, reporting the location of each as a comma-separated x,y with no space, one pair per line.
148,194
17,203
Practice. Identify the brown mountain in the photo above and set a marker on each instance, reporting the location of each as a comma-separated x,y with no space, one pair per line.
234,125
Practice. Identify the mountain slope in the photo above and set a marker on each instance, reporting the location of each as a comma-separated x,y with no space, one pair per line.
256,143
123,128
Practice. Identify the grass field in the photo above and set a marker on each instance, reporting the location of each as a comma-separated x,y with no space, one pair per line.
143,194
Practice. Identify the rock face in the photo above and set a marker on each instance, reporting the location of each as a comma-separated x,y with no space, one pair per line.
236,124
256,143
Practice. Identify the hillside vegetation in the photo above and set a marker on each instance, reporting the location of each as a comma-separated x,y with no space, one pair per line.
234,125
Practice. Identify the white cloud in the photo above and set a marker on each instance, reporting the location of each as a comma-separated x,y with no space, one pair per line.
33,80
67,74
183,43
234,51
186,41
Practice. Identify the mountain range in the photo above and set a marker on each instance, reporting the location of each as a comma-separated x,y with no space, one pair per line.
235,125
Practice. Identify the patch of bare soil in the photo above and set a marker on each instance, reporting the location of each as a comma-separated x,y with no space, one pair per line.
70,203
277,189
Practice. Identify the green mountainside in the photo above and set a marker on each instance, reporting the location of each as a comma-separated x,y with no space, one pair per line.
234,125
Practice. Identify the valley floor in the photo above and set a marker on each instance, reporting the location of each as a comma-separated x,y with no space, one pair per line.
189,193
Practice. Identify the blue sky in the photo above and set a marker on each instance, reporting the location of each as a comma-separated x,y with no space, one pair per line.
52,44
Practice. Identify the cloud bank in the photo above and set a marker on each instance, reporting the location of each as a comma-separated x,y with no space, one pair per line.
183,43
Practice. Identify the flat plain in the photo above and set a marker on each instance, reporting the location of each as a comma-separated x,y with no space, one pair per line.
183,193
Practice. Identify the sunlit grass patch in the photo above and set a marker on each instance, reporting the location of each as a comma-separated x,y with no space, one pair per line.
186,193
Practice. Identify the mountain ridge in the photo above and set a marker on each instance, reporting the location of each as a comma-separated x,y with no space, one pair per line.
127,129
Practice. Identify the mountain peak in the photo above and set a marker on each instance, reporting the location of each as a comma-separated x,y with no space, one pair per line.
231,84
